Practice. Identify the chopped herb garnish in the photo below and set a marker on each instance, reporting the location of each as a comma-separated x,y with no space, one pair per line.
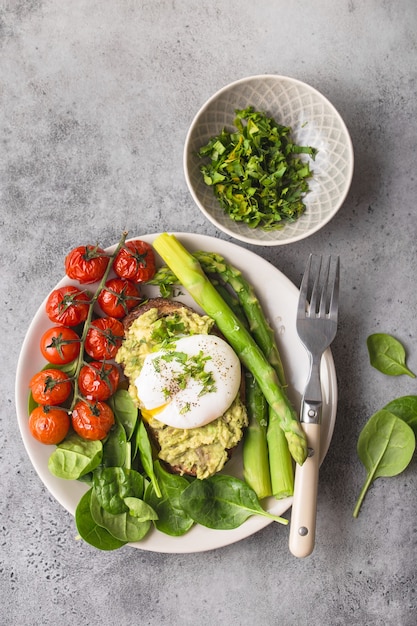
192,367
166,328
256,173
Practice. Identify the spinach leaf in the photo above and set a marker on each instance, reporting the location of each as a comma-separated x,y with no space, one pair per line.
113,484
387,355
146,457
124,410
90,531
172,519
140,509
115,448
385,446
75,457
222,502
123,526
406,409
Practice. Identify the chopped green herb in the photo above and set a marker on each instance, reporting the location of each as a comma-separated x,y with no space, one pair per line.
192,367
167,328
256,173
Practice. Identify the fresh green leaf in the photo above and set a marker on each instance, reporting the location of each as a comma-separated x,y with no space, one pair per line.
75,457
90,531
222,502
31,404
146,456
387,355
125,411
123,526
113,484
406,409
386,445
140,509
172,519
115,448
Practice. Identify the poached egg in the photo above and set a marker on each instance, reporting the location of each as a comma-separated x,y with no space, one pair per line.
191,383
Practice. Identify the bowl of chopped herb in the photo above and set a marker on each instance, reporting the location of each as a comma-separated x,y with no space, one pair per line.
268,160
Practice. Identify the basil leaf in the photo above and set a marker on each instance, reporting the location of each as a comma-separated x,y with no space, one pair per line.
385,446
222,502
387,355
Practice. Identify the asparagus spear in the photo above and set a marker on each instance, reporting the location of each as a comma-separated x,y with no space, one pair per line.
255,454
258,325
191,276
281,468
280,462
256,469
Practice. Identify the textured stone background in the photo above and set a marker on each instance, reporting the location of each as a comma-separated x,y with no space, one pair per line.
96,98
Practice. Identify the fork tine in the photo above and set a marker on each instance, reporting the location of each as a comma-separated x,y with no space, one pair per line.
315,290
324,277
302,299
334,299
323,299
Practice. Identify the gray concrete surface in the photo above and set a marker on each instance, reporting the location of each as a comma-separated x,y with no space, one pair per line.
95,102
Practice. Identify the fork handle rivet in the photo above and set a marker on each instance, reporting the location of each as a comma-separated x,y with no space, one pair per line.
312,413
303,531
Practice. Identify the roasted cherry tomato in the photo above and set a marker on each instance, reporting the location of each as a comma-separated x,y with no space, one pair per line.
60,345
92,421
135,261
98,381
50,387
118,297
87,264
104,338
49,425
68,306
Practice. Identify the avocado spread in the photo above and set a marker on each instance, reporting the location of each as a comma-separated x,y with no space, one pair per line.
202,451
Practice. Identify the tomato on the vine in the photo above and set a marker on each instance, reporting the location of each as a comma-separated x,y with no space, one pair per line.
68,306
104,338
118,297
98,381
60,345
92,421
49,425
50,386
87,264
135,261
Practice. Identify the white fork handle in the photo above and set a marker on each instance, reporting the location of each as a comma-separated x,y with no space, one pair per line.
304,507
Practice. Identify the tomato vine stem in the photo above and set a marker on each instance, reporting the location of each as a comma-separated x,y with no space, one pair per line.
87,324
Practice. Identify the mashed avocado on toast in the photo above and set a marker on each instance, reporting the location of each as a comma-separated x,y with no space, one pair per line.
201,451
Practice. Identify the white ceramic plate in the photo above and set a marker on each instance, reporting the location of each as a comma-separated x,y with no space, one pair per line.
314,122
279,297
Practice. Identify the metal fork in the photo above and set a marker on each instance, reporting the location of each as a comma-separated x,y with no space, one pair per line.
316,327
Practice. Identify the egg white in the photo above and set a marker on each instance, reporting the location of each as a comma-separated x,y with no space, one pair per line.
190,403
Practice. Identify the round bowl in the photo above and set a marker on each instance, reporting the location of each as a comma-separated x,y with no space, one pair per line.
314,122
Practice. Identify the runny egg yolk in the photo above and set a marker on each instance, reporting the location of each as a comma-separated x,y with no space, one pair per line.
191,384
